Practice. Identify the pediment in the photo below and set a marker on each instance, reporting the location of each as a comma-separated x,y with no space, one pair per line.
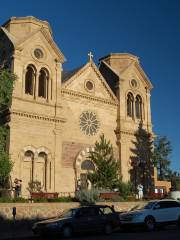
89,81
134,70
40,38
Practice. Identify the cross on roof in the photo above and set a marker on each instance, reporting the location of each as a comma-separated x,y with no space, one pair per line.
90,56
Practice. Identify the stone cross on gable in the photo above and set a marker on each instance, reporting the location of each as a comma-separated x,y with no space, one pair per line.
90,56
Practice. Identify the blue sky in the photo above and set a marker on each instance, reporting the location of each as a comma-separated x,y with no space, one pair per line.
149,29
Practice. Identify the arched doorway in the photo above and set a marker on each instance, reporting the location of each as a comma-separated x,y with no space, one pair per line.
82,167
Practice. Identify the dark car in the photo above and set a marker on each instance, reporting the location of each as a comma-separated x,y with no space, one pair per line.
83,219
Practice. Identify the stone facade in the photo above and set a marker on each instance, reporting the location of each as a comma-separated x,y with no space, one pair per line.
56,116
48,210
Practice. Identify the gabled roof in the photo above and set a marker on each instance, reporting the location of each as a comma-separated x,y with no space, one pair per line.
18,43
48,39
145,77
66,75
107,65
9,35
134,62
141,71
78,71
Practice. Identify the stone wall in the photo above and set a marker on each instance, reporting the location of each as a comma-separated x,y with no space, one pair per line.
46,210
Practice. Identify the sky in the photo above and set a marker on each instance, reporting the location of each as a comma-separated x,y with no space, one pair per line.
149,29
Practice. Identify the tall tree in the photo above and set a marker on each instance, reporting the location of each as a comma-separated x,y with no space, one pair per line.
106,167
7,79
162,150
141,160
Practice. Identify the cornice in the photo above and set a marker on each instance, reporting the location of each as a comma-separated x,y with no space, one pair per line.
38,116
89,97
34,101
145,77
128,132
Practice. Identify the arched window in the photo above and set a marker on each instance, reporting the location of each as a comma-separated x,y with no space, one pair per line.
43,83
30,80
138,106
29,157
42,169
87,165
130,105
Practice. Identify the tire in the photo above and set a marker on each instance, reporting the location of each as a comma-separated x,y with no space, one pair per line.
108,229
67,231
150,224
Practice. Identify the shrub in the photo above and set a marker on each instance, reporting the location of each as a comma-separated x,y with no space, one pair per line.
37,200
125,189
34,186
62,199
87,196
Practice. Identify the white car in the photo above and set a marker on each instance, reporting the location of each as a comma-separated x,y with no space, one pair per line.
157,212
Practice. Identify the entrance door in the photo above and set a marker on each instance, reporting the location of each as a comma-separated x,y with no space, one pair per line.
84,183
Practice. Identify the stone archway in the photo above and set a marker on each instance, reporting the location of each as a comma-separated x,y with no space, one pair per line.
82,167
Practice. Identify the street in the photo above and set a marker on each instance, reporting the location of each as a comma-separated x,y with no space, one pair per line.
165,234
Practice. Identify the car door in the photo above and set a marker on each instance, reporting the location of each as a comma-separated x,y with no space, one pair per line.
173,209
83,220
160,212
97,219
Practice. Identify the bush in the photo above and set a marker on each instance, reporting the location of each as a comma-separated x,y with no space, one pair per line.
39,200
62,199
87,196
34,186
125,189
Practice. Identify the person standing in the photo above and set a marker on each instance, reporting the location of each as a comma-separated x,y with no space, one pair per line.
18,185
140,191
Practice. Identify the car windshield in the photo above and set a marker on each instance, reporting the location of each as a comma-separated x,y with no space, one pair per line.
149,205
69,213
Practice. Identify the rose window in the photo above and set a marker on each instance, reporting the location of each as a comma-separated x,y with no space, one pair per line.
89,123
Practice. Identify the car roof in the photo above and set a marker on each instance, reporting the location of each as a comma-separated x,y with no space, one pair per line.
164,199
94,206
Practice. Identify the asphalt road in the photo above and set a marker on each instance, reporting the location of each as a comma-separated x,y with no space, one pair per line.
163,234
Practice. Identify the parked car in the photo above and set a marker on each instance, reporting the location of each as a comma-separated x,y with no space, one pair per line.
156,212
82,219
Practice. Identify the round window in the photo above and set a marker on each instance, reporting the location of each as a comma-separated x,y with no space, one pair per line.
134,83
38,53
89,85
89,123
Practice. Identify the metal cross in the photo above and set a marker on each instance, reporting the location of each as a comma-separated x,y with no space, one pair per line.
90,56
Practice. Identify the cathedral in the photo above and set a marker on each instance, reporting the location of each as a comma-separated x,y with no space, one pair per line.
56,116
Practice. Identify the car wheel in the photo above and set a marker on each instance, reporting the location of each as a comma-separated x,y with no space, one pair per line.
108,229
67,231
150,223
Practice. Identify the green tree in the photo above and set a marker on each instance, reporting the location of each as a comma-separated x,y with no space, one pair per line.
7,79
162,150
106,167
141,160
